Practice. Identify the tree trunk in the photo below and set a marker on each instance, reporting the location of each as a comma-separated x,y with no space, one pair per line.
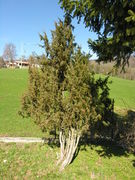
68,147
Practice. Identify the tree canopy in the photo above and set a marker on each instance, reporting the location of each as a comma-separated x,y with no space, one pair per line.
9,53
114,23
63,97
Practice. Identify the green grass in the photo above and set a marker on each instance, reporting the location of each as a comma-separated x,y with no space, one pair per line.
123,92
35,161
13,83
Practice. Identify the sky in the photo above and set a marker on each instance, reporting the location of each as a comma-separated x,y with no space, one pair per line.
21,22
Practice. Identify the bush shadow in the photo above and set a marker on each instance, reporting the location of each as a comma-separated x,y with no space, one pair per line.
109,146
114,145
133,163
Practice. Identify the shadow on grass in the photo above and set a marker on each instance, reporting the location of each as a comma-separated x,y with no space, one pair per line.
110,149
51,141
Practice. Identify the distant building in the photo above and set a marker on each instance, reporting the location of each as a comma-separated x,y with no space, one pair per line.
22,64
17,64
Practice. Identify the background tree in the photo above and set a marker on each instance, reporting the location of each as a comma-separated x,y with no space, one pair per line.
9,53
114,23
63,96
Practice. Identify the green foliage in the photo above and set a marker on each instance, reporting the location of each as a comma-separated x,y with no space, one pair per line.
43,100
114,23
61,48
62,93
77,106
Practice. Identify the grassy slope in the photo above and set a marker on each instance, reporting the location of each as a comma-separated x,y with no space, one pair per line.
13,83
36,161
123,92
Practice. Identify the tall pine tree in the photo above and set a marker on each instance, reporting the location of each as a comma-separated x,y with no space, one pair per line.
113,22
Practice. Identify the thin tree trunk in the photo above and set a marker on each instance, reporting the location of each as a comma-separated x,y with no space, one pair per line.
62,145
68,147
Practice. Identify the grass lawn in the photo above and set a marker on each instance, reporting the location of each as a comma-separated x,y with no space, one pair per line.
123,92
13,83
35,161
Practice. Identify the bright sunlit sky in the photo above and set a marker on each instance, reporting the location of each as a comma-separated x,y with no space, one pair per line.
21,21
